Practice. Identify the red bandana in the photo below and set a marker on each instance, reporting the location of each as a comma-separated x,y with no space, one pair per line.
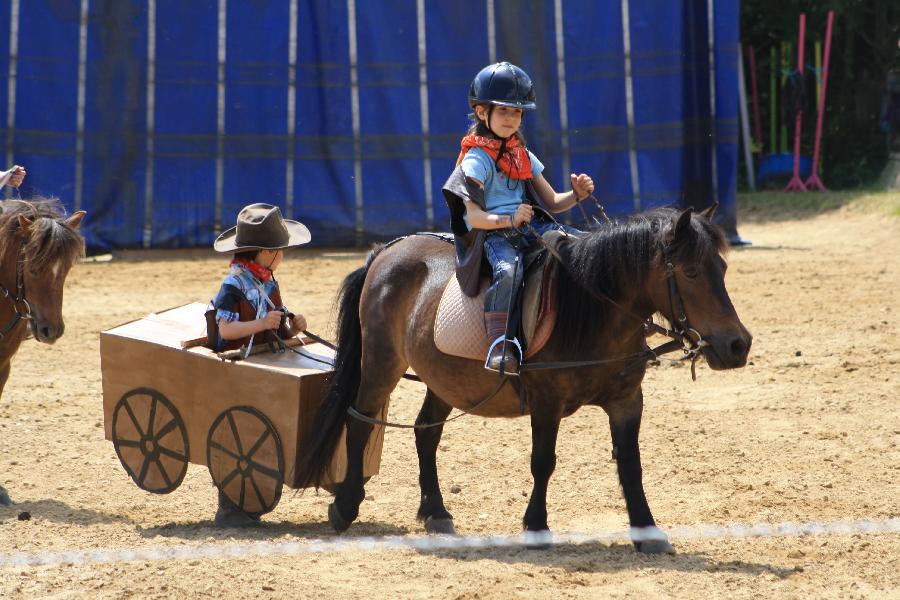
262,273
514,162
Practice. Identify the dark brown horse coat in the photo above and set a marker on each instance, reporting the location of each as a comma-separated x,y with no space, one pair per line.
386,325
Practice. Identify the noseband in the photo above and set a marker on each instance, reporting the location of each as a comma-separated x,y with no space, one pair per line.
18,300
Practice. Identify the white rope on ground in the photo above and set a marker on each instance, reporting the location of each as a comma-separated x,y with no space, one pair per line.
442,543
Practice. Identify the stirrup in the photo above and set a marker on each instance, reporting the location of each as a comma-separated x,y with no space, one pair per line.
500,340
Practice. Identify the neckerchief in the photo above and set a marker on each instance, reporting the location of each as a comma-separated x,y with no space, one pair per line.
514,161
261,272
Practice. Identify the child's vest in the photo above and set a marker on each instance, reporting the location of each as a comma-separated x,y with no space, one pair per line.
247,312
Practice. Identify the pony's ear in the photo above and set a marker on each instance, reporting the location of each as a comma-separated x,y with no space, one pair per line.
25,223
683,224
75,220
708,213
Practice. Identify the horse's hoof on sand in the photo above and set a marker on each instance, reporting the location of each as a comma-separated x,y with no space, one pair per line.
441,526
337,522
5,500
537,540
232,517
655,547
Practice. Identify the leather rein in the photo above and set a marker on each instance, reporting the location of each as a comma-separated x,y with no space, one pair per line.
18,299
683,337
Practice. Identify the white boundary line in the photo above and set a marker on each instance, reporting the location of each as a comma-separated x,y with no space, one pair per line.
442,543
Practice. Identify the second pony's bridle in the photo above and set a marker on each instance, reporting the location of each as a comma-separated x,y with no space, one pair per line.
18,299
683,336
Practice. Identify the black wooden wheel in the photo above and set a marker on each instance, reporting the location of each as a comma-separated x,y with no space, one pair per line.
150,440
245,459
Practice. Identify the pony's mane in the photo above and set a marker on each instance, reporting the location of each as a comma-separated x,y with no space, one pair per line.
51,238
619,257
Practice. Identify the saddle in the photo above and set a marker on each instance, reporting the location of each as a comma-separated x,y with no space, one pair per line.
459,325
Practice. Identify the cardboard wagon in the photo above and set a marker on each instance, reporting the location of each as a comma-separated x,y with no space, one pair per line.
168,401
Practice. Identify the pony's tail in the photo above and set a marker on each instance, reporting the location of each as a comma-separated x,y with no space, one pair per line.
315,452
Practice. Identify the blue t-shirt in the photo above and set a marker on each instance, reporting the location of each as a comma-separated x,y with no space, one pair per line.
501,195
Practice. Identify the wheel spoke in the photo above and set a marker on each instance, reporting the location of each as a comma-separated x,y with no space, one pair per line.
173,454
258,444
222,448
152,418
144,467
243,488
228,479
234,432
164,430
133,418
265,470
128,443
164,474
262,501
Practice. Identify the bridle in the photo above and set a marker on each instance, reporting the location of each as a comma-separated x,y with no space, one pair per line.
683,336
18,300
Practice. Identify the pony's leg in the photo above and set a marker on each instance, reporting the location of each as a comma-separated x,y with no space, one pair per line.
544,429
431,507
646,536
376,384
4,375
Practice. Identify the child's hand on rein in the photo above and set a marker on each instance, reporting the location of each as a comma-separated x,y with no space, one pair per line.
582,185
298,324
272,320
524,213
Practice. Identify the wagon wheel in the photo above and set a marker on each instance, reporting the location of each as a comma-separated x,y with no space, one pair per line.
245,459
150,440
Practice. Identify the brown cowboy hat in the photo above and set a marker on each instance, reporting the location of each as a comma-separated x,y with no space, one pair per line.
261,227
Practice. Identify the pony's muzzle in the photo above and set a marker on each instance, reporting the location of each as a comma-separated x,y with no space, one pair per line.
728,351
45,332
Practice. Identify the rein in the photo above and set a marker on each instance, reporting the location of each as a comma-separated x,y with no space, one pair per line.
680,333
18,299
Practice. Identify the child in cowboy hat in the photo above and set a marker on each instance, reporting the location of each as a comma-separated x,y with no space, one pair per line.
248,305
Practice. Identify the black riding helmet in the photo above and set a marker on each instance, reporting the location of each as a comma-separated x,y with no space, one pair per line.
502,84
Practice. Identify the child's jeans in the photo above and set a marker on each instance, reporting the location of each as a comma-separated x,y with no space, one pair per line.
502,247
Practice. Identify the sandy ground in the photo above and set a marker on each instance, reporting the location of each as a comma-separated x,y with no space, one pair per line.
808,431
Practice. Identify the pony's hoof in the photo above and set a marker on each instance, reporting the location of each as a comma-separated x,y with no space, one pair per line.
5,500
537,540
228,516
654,547
440,526
337,522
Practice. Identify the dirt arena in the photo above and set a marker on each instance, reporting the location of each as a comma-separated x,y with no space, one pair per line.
808,431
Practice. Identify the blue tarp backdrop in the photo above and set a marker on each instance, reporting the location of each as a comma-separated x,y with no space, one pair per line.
162,118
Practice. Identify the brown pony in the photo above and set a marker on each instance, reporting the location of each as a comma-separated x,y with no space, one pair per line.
609,283
38,246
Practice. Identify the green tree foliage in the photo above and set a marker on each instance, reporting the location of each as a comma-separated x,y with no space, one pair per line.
863,50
